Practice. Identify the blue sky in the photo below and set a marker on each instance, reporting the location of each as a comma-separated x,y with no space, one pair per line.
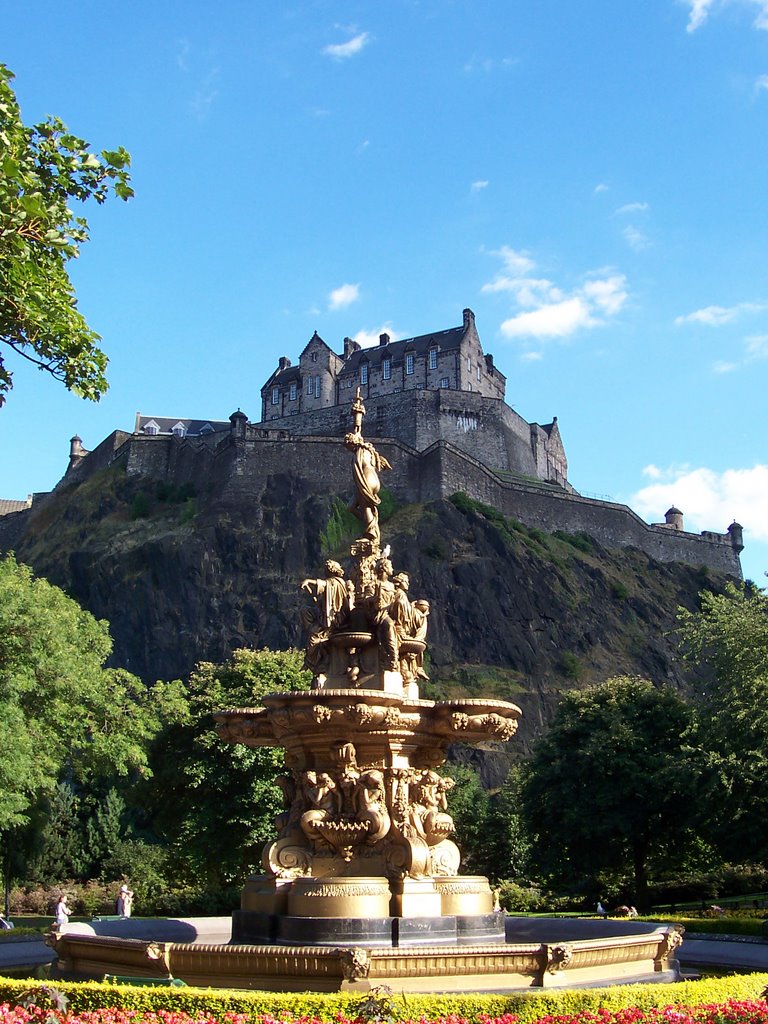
590,178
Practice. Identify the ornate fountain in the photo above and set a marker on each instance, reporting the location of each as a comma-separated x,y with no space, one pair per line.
365,837
361,885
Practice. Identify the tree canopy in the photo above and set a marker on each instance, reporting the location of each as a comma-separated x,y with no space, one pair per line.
214,803
62,714
729,634
44,167
609,782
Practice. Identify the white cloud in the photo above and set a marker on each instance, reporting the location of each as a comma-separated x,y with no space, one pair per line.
548,311
633,208
698,13
701,9
635,239
343,296
478,186
609,294
723,367
369,338
716,316
556,320
756,346
533,356
600,187
709,500
342,51
761,83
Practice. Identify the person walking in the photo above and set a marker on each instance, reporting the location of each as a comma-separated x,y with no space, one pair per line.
124,901
62,911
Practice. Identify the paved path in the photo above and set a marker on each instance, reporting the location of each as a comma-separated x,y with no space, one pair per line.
25,954
715,952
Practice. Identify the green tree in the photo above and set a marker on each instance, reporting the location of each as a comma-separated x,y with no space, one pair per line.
729,636
610,783
44,168
214,803
63,716
60,850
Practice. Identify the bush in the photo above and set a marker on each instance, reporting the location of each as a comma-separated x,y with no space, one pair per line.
514,897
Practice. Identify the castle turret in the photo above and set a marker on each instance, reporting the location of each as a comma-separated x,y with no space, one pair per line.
76,451
238,420
674,518
737,536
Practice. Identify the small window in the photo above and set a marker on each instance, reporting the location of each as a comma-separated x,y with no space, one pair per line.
314,357
386,369
150,428
420,386
179,430
478,371
445,382
469,365
409,362
433,359
363,373
292,392
275,396
310,386
317,386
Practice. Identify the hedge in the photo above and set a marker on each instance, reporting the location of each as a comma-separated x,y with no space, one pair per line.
527,1006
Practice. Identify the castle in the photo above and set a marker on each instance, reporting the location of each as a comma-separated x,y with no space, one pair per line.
438,386
435,403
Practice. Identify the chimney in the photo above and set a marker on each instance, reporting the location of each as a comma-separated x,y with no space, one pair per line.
283,363
383,339
350,347
469,319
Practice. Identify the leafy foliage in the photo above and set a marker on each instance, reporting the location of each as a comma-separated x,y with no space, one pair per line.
614,773
730,634
44,168
65,721
214,803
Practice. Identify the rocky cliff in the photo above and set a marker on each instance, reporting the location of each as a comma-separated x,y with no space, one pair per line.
187,572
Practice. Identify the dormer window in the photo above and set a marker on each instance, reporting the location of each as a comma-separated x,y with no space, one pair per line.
179,430
207,429
409,362
151,428
386,368
363,373
433,359
275,396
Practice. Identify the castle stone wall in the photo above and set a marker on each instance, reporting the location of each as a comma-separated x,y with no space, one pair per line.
263,465
549,508
485,428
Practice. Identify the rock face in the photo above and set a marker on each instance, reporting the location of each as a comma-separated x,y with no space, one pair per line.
189,573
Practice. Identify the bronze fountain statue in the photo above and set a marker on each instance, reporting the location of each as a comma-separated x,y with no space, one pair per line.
366,835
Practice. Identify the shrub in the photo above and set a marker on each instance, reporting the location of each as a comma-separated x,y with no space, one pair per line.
514,897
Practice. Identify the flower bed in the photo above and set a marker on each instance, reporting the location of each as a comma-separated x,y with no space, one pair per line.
731,1000
754,1011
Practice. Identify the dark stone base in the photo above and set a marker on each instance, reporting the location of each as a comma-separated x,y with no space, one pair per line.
257,929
